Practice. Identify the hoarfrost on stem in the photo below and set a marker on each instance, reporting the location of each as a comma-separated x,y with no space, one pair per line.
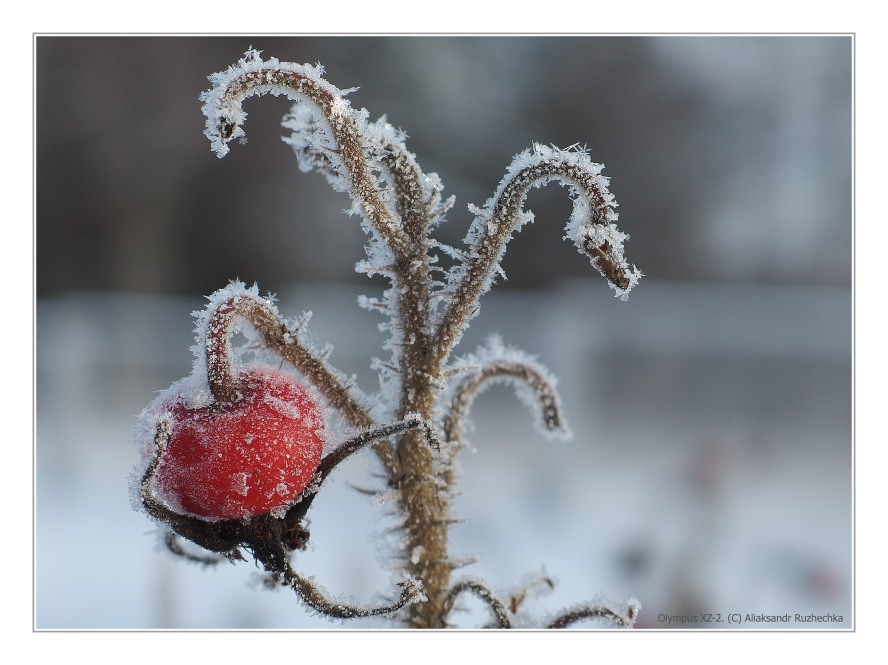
415,420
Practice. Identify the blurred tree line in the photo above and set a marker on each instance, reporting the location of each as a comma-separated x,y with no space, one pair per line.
730,156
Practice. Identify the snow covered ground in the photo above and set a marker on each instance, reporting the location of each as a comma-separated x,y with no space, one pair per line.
710,470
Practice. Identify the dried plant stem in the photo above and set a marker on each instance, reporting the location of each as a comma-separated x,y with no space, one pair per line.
337,114
279,338
406,178
411,467
597,612
504,219
314,597
171,540
499,369
399,205
479,589
356,443
425,508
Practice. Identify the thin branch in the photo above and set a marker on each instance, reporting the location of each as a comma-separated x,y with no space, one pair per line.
315,598
171,540
363,439
247,306
590,227
407,178
480,590
303,83
593,611
503,369
277,337
398,204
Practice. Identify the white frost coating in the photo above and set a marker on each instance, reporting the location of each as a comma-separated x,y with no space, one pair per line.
627,611
634,275
194,392
386,497
610,234
374,167
313,144
224,111
202,324
256,347
580,226
289,410
495,351
384,139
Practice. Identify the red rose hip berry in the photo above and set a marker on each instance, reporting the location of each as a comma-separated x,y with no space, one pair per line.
244,458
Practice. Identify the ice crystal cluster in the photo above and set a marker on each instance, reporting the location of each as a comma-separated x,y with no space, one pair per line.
415,421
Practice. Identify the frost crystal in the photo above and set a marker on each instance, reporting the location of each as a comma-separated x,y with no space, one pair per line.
416,419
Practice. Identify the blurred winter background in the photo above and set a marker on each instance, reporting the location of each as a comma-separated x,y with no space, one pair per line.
711,467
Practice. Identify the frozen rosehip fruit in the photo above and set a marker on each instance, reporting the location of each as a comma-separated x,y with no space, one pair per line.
242,459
